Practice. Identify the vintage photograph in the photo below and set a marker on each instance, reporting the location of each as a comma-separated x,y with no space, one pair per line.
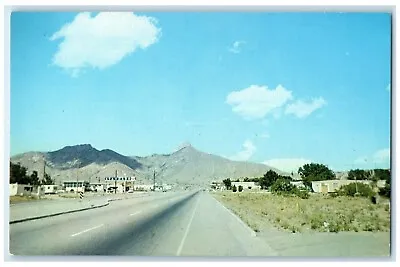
200,134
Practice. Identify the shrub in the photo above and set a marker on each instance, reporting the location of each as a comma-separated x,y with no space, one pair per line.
385,191
234,189
302,194
352,189
283,186
240,188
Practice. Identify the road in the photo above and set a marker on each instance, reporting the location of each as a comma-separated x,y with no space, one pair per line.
171,224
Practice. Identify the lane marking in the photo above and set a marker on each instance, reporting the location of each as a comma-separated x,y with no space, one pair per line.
178,253
133,214
87,230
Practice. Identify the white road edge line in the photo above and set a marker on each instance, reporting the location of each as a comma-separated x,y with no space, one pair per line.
252,232
132,214
178,253
87,230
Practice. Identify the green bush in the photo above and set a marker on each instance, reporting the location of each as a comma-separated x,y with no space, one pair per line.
234,189
302,194
282,186
240,188
385,191
352,189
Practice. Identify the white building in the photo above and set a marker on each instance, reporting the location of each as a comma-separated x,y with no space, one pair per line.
143,187
51,189
75,186
25,190
329,186
98,187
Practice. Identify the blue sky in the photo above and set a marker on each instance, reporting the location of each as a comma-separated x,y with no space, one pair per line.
279,88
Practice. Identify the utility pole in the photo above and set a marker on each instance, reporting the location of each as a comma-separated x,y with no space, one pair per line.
115,183
44,171
154,180
77,179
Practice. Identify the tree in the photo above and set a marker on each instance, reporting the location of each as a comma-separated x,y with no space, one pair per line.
246,179
234,189
35,178
240,188
227,182
315,172
359,175
47,180
381,174
18,174
268,179
282,186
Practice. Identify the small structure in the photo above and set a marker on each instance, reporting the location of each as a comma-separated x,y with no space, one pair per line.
21,190
51,189
143,187
98,187
246,185
330,186
76,186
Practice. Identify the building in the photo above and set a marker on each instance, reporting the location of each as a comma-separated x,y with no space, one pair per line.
329,186
246,185
76,186
25,190
143,187
51,189
98,187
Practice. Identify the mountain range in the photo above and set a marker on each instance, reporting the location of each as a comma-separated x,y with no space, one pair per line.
184,166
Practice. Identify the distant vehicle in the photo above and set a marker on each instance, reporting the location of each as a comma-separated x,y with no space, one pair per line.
130,191
60,191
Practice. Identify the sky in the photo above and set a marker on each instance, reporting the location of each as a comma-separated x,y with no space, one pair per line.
282,89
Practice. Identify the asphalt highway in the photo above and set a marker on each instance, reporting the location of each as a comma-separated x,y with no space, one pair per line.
169,224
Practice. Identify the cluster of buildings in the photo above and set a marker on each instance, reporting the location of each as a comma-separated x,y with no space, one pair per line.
110,185
328,186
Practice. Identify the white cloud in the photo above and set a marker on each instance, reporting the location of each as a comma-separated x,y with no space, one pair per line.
255,102
236,47
103,40
246,153
287,164
302,109
379,157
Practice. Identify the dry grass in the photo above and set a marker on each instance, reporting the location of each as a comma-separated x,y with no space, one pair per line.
318,213
68,195
18,199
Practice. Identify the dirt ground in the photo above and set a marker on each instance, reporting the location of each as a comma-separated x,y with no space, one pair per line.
320,226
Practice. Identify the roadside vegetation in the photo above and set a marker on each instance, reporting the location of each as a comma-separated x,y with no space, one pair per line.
18,174
353,207
321,213
19,199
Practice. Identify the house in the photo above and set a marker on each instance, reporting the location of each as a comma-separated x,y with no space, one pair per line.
246,185
51,189
76,186
25,190
329,186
